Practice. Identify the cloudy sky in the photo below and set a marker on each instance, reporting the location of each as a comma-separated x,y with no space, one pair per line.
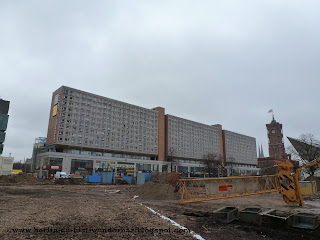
225,62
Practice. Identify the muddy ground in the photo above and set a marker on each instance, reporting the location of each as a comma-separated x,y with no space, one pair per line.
102,212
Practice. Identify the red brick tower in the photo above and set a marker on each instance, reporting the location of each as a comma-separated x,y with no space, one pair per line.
275,136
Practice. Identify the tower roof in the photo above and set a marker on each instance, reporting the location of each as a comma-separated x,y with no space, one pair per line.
273,121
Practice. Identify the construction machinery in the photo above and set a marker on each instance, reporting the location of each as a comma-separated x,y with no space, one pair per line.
289,181
286,182
110,167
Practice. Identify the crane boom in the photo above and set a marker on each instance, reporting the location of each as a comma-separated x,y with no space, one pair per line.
286,182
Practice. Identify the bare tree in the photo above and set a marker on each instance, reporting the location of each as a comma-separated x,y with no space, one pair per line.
211,161
305,149
228,164
171,157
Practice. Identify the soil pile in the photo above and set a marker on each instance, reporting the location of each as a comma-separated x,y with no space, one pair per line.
69,181
21,178
157,191
165,177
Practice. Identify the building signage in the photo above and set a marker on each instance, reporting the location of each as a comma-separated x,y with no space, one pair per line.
126,166
52,167
225,187
54,110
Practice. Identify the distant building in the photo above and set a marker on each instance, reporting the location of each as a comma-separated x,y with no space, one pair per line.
276,143
4,109
38,147
86,132
6,165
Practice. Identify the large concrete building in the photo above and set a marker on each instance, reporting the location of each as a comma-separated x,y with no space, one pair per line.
240,152
87,131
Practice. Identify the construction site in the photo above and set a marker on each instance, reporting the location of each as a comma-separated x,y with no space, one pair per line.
165,207
186,180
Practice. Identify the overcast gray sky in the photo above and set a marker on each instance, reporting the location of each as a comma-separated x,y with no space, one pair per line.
225,62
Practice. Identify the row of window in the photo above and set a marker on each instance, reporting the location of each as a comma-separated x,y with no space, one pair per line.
78,113
106,135
112,155
110,124
139,148
191,139
102,102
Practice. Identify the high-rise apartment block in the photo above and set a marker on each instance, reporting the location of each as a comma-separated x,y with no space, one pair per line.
87,131
240,149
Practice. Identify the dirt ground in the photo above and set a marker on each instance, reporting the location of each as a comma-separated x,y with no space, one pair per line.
48,211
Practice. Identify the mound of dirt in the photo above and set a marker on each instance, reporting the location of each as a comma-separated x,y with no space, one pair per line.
69,181
313,178
157,191
22,179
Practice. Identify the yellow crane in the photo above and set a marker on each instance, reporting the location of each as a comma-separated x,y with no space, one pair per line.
289,181
286,182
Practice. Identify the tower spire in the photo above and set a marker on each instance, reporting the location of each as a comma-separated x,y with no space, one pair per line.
271,111
261,155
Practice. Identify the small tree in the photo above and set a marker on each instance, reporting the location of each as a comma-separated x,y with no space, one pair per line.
211,162
228,165
305,149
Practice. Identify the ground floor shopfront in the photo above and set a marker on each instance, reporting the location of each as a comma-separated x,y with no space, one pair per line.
84,165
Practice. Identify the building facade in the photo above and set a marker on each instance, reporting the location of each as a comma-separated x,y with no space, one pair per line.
240,152
277,153
4,109
6,165
275,136
86,132
39,146
191,140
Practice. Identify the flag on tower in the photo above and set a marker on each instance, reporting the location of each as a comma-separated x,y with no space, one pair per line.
270,111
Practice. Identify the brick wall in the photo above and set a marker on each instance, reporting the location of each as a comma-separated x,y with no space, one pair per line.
54,121
161,133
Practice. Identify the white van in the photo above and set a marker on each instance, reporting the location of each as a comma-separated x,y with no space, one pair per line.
61,175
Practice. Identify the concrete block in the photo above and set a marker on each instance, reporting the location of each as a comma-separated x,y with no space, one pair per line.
250,215
276,219
305,220
226,214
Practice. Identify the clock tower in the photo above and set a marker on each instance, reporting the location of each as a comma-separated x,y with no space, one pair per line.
275,136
